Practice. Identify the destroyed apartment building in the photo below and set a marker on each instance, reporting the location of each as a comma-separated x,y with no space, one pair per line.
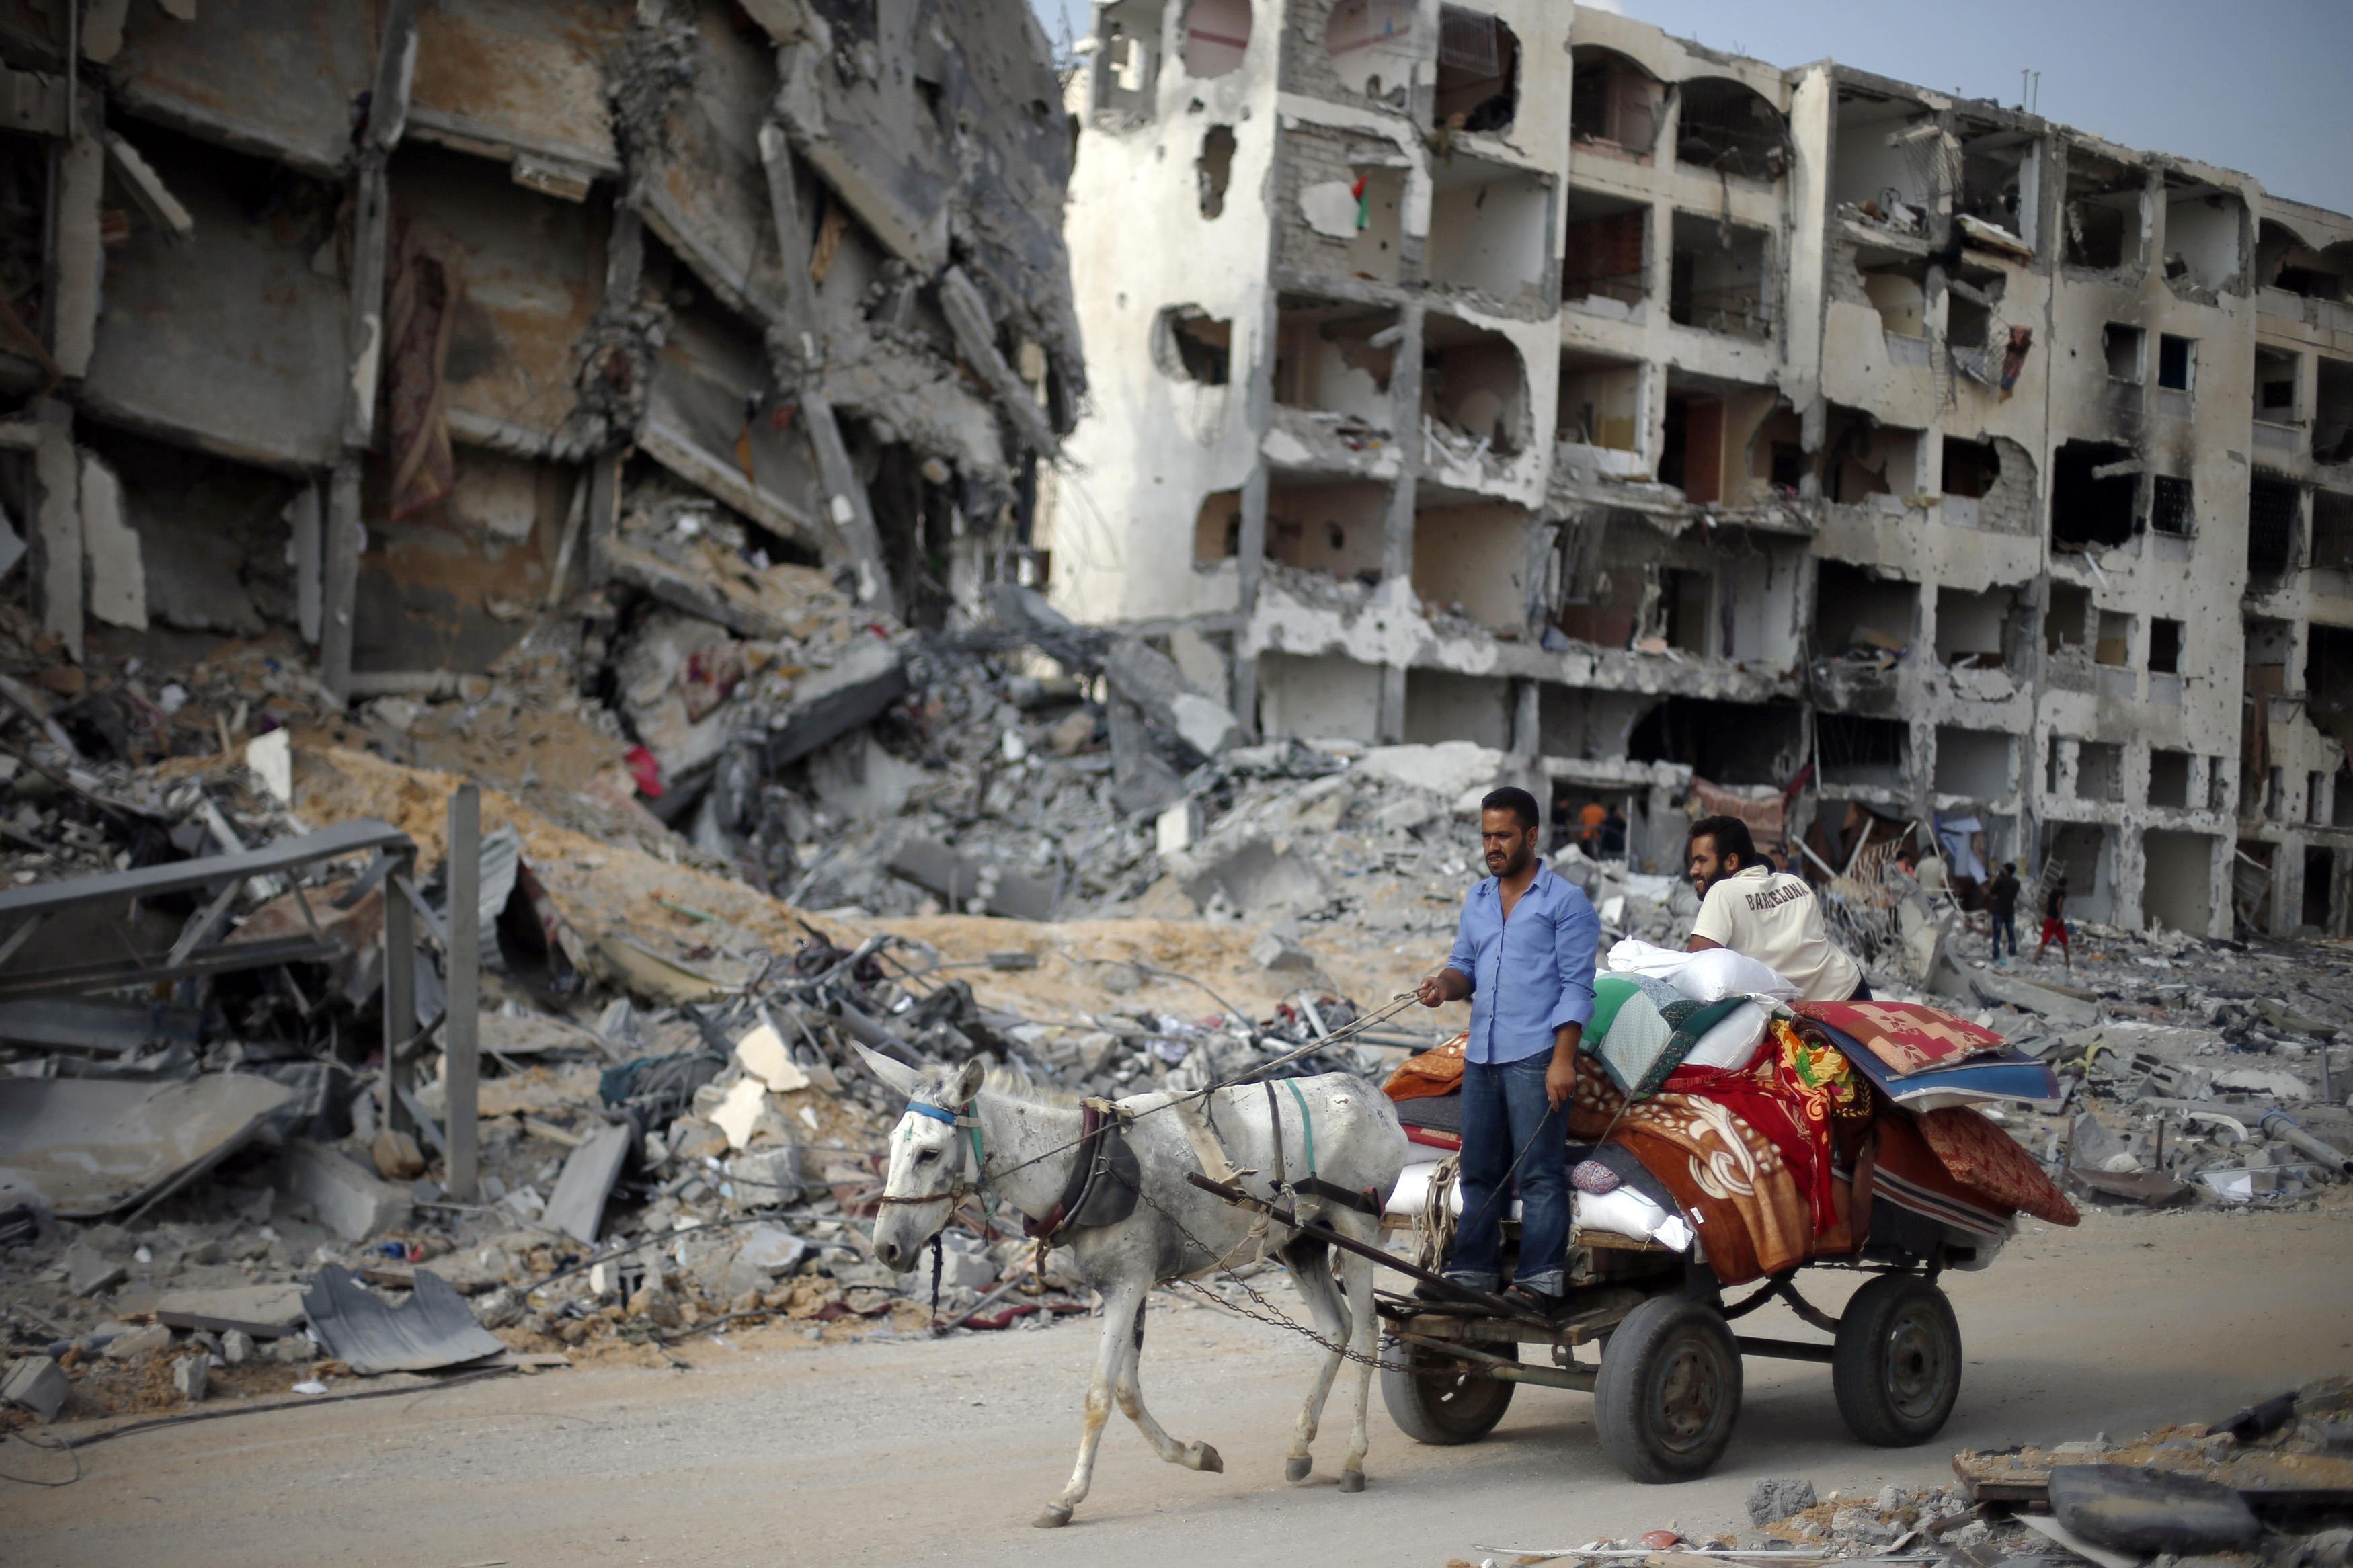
1521,374
378,334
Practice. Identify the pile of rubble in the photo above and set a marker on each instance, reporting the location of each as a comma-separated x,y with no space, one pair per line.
2270,1484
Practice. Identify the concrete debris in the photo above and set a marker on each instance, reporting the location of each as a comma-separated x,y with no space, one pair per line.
189,1374
37,1383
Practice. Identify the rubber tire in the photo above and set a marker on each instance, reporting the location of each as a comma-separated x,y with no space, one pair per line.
1896,1365
1438,1411
1652,1357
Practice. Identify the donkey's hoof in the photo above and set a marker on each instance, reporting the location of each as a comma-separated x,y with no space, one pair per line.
1352,1481
1207,1459
1054,1516
1297,1469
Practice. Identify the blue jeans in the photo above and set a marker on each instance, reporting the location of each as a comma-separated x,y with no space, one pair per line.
1504,1110
2005,926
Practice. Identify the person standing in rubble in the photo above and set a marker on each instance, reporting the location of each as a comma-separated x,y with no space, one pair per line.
2054,925
1767,915
1524,954
2001,903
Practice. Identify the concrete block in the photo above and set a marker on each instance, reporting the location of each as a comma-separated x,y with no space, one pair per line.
189,1374
138,1343
236,1347
1278,950
1151,680
349,1200
90,1271
38,1384
867,677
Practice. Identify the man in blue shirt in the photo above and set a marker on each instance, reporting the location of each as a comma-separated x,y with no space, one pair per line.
1524,954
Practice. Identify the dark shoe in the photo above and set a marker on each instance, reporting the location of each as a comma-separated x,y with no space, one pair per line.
1543,1303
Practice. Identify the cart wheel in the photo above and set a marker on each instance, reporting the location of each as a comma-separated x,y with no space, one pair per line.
1669,1389
1435,1398
1896,1367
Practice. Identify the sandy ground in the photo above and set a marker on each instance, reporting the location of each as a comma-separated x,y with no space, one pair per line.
772,1451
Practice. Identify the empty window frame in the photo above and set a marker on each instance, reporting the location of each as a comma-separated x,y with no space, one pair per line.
2121,345
2332,530
1717,276
2094,495
1478,71
2172,507
2274,527
1606,252
2164,646
2168,778
2277,374
2177,362
1729,128
1613,102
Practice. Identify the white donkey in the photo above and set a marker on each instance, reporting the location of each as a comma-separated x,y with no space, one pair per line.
966,1129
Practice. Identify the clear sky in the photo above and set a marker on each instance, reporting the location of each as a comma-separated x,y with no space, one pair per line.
2260,87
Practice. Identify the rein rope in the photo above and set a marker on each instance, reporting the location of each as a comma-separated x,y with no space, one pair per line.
962,1115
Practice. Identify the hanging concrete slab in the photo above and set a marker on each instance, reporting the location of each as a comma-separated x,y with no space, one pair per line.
230,339
706,191
500,79
85,1147
273,77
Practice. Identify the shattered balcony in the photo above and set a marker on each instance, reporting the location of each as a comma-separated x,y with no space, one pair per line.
1475,420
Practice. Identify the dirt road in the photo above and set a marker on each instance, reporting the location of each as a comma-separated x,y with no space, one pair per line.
771,1451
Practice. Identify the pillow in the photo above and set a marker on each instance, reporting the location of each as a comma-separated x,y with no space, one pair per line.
1706,977
1731,1044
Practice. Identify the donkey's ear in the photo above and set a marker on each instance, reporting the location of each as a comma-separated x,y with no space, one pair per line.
896,1074
968,1080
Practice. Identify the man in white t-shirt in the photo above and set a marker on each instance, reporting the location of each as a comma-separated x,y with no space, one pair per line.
1767,915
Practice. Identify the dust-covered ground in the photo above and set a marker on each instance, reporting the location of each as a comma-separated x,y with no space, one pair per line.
772,1450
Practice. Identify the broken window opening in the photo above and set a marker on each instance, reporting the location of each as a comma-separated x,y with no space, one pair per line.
2067,624
1473,560
1725,743
2332,530
2114,646
2173,507
2332,411
1214,167
2099,771
2164,646
2340,796
1717,276
1979,630
1884,162
2328,675
1216,36
1777,455
1490,228
2103,215
1860,752
1613,102
2277,386
1474,393
2319,876
1190,345
1607,255
2204,243
1370,44
2275,529
1970,468
1478,71
1333,357
2177,361
1127,57
1899,292
1865,620
1218,527
1601,402
2094,496
1862,457
1980,764
1969,323
2168,778
2121,347
1335,527
2284,262
2000,170
1727,127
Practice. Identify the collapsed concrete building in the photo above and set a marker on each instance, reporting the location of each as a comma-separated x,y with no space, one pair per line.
384,329
1520,373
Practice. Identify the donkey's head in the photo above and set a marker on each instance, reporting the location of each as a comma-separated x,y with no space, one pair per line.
933,1158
